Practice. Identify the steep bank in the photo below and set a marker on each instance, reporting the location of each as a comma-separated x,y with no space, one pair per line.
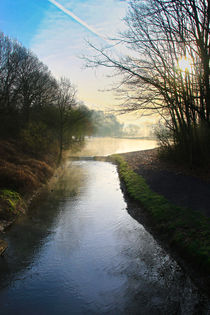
184,231
21,175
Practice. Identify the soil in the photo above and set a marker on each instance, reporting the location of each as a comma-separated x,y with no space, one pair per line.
183,187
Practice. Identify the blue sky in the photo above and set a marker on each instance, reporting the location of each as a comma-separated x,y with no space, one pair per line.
58,38
21,18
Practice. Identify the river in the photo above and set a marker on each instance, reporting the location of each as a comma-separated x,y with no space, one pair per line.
106,146
78,251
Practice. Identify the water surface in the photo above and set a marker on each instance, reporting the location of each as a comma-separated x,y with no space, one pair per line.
79,252
106,146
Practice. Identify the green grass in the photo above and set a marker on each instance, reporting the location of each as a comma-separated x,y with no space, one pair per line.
186,229
13,200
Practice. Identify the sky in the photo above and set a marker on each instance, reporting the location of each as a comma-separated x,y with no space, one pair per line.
57,31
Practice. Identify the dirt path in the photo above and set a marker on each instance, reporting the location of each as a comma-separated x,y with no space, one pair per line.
186,188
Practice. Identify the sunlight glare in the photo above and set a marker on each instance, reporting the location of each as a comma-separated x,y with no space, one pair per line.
185,64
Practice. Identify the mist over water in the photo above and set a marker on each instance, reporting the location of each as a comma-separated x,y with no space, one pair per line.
78,251
105,146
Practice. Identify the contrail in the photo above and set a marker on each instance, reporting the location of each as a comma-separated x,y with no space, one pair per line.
76,18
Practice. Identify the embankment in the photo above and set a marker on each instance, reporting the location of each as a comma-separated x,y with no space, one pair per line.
21,176
184,231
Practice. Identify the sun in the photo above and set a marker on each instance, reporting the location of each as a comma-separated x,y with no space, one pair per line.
185,64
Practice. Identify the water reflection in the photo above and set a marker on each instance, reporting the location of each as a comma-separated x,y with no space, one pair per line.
28,235
83,254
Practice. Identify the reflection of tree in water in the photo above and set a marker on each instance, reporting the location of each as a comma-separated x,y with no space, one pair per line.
27,236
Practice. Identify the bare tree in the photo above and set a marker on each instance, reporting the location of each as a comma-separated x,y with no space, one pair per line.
167,69
25,82
10,56
36,109
36,86
66,100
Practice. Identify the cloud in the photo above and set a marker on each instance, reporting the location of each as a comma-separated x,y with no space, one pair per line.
59,41
76,18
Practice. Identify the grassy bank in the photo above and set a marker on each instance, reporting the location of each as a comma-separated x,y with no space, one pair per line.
21,174
185,230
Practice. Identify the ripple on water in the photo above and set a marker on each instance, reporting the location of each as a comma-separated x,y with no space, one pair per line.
88,256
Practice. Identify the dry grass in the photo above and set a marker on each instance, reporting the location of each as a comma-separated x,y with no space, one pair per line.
20,172
20,176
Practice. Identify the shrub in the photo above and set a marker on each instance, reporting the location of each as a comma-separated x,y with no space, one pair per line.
190,145
164,136
36,138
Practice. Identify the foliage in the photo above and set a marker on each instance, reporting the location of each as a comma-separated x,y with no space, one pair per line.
186,229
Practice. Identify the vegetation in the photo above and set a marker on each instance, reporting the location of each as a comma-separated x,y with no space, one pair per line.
167,70
187,230
106,125
13,200
19,171
11,205
37,110
39,117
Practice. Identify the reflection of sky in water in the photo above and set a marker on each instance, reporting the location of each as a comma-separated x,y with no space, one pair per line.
91,256
107,146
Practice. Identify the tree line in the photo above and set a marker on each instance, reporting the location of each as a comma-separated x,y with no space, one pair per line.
106,125
36,109
166,70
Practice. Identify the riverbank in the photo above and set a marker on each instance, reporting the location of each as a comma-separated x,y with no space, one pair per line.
183,187
173,203
21,176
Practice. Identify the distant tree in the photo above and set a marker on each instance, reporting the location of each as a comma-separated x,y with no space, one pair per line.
106,125
132,130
